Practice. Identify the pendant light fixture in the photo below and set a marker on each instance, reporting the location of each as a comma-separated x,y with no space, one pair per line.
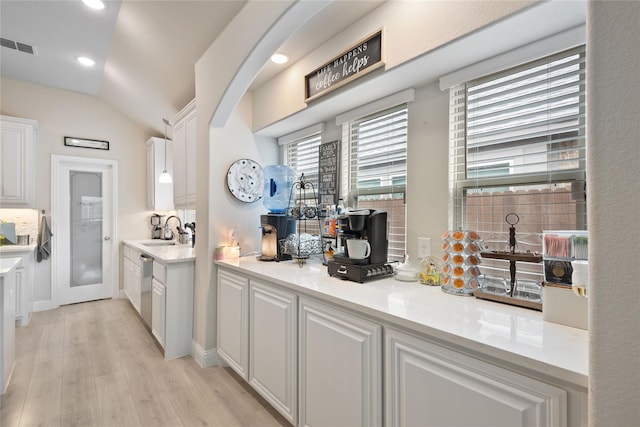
164,177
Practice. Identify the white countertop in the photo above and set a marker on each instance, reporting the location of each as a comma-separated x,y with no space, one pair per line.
165,254
7,265
516,335
17,248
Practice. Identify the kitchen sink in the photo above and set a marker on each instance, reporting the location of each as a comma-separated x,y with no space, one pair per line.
160,243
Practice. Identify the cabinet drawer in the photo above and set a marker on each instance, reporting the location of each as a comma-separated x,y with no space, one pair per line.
160,272
133,255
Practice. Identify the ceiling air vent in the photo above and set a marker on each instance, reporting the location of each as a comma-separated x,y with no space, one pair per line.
22,47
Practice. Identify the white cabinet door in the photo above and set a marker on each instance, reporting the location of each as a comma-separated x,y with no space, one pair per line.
25,277
190,158
184,157
340,368
159,195
8,325
158,311
272,346
233,328
428,385
132,278
179,164
17,162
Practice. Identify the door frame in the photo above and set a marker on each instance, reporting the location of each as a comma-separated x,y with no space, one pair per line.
57,162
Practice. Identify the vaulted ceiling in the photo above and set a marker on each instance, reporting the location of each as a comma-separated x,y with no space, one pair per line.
145,50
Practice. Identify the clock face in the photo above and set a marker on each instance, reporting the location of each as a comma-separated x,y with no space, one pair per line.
245,180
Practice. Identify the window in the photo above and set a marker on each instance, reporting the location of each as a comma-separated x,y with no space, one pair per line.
517,144
376,155
302,155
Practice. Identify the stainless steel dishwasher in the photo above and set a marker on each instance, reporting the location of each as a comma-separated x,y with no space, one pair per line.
145,288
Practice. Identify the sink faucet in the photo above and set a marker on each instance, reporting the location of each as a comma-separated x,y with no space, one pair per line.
168,234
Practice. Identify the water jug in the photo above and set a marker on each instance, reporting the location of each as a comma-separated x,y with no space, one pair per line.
278,180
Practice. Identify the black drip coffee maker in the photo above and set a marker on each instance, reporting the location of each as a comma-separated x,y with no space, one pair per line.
370,261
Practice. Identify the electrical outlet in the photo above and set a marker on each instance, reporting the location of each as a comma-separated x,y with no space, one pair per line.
424,247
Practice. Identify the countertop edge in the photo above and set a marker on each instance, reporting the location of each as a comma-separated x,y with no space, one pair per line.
458,342
7,265
12,249
157,252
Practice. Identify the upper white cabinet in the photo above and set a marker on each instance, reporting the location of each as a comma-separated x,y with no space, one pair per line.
17,162
340,368
184,157
159,195
429,385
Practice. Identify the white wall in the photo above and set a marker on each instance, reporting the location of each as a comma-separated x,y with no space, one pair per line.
63,113
411,28
427,168
613,184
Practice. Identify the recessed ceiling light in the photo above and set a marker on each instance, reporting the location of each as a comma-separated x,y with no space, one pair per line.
279,58
87,62
95,4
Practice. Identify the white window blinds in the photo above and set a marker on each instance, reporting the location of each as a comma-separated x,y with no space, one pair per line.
377,169
517,144
302,157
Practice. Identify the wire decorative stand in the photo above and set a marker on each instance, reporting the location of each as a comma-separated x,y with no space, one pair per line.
301,248
513,295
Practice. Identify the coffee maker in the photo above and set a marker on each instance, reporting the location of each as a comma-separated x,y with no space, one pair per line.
366,225
156,226
275,227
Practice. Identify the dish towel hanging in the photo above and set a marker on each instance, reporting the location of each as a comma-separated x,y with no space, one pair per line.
44,240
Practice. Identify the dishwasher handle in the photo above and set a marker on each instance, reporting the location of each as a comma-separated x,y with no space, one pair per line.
146,258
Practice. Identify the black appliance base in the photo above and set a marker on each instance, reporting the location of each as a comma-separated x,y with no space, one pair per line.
358,273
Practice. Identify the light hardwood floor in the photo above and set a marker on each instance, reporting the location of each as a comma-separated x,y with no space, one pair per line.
95,364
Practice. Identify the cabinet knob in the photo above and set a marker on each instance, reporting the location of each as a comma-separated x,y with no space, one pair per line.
107,238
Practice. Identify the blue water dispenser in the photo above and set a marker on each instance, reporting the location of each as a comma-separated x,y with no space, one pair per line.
278,180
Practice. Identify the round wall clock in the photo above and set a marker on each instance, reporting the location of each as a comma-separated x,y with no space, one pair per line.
245,180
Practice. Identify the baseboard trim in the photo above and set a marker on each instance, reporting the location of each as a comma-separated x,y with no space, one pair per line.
44,305
204,358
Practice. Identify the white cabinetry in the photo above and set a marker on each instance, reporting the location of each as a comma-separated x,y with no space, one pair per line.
340,367
158,310
25,279
233,321
273,346
159,195
7,327
132,276
17,162
172,307
429,385
184,157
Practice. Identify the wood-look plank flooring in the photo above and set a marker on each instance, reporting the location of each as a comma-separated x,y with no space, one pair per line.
95,364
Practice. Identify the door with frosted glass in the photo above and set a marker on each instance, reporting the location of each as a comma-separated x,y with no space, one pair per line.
84,243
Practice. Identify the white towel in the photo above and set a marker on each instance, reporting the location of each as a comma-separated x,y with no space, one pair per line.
44,240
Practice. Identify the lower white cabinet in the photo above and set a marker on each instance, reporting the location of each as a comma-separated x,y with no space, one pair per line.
429,385
172,307
233,330
25,280
273,346
7,328
158,311
132,282
340,368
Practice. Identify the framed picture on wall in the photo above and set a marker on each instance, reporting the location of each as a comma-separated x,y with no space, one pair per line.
86,143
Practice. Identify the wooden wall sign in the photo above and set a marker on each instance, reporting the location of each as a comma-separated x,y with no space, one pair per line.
361,59
328,173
